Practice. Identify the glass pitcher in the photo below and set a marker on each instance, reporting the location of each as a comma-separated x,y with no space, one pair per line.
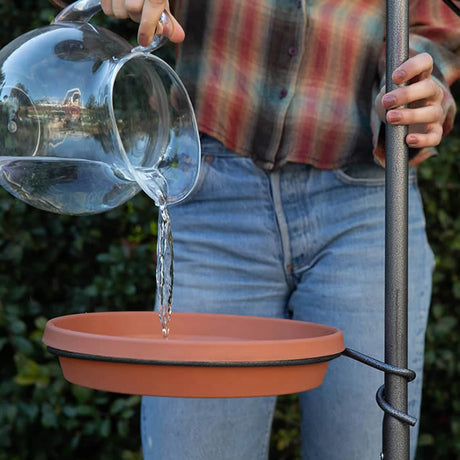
87,121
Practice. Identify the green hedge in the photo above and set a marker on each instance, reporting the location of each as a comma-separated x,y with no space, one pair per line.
50,266
53,265
440,421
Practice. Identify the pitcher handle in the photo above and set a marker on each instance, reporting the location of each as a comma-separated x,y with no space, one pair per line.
84,10
80,11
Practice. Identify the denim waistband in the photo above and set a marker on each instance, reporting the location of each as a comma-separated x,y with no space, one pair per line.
212,147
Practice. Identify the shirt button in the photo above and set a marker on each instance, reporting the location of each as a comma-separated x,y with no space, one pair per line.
292,51
283,93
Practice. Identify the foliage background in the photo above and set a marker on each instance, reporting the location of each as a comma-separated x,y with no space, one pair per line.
53,265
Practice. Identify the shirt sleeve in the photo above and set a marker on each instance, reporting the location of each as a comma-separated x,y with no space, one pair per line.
434,28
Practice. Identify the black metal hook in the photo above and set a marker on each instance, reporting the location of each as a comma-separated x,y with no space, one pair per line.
407,374
452,6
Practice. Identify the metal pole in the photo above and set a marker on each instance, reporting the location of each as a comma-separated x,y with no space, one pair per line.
396,433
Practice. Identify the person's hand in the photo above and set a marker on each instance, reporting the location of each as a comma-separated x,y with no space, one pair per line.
422,95
147,13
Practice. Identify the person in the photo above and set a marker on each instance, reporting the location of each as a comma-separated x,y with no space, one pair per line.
287,218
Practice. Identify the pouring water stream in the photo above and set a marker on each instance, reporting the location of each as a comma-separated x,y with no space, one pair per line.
156,186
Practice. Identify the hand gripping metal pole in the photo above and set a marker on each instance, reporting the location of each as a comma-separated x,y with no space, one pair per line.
396,432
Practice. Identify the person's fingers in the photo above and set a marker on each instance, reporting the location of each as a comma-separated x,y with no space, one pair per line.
150,16
426,89
147,13
420,115
430,138
119,10
106,6
417,103
173,30
149,24
114,8
417,67
134,9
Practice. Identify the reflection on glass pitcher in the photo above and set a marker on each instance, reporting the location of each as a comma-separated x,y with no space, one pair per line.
86,121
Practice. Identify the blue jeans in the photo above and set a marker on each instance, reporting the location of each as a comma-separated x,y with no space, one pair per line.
297,243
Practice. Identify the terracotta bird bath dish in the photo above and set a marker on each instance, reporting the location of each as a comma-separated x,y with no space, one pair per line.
205,355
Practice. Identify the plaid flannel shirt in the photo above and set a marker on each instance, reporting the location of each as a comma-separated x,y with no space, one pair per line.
295,80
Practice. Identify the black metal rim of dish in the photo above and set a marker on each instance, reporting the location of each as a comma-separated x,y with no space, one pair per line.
156,362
